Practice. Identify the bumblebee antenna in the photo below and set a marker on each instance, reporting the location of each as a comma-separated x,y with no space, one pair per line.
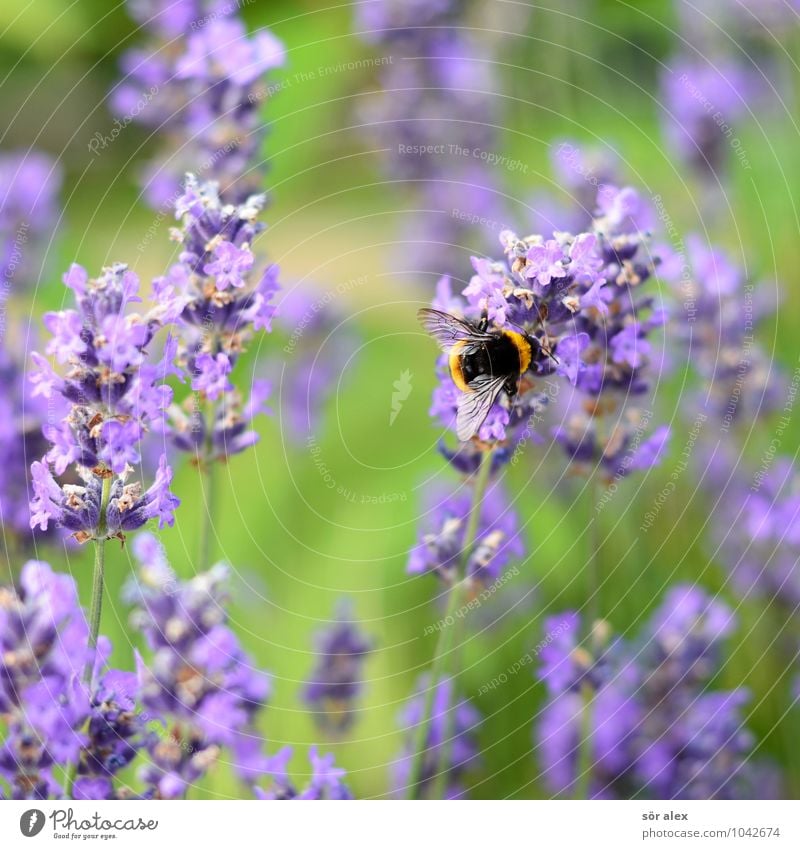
527,335
547,351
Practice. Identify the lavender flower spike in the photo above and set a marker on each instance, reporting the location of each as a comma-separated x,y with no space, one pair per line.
422,118
49,720
29,185
441,548
326,781
115,394
218,305
337,679
201,77
198,678
451,744
654,726
579,298
21,417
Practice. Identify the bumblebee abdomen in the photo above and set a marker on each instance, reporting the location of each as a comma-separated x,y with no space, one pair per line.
522,347
508,354
503,356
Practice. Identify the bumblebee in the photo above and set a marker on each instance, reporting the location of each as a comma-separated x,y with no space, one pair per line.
483,362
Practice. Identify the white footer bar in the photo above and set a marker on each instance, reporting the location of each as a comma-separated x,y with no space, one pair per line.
405,825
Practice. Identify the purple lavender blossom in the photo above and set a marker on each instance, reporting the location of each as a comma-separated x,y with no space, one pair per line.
22,415
441,548
173,18
28,210
201,76
50,721
320,342
578,297
41,734
230,265
222,50
740,382
545,261
656,728
211,375
42,629
423,117
115,395
326,780
115,734
197,677
685,637
393,20
218,308
758,539
702,99
581,171
451,743
338,676
428,99
626,449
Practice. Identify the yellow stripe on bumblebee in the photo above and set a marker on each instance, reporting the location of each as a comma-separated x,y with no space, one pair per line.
523,347
456,369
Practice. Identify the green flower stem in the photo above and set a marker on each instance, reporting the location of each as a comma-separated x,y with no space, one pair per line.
440,779
208,471
444,644
594,582
98,583
584,767
481,482
593,571
69,784
443,647
95,610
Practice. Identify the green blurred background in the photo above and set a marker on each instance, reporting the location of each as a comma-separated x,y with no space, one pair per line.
297,546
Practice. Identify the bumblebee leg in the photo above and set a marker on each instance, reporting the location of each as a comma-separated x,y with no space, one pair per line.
511,386
483,324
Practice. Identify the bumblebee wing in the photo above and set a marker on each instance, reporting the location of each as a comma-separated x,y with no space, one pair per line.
446,329
474,406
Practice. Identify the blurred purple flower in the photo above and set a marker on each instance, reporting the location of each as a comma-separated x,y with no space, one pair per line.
29,185
704,99
441,548
740,381
655,727
50,720
337,678
451,743
198,678
200,76
569,353
326,781
422,119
